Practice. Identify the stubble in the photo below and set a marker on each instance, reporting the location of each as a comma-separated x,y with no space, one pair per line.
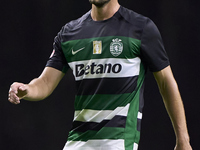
99,3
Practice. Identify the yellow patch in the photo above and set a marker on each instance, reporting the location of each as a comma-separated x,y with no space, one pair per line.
97,47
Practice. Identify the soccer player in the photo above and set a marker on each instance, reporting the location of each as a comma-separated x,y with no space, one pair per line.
109,50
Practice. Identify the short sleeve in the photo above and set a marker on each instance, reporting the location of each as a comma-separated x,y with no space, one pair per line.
57,59
152,49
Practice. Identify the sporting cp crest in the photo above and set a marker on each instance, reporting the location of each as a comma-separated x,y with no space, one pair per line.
116,47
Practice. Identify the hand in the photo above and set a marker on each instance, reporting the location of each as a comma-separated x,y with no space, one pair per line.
185,146
17,91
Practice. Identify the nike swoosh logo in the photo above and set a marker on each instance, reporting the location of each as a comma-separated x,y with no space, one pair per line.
74,52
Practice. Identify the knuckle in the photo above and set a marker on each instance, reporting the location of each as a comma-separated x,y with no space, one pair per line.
14,84
10,100
10,90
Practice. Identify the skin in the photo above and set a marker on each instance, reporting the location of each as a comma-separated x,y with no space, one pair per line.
43,86
99,3
37,89
174,106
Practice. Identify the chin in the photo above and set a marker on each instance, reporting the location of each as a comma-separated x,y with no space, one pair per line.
99,3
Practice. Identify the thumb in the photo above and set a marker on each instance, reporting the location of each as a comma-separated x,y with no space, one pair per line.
22,91
22,87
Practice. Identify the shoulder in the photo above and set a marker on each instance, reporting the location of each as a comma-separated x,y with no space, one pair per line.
75,24
133,17
141,22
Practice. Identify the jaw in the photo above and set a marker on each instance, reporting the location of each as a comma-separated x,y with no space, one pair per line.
99,3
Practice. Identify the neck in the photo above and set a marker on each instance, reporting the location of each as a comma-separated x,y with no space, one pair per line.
105,12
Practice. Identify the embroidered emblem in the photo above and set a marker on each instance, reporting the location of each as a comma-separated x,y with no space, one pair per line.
116,47
97,47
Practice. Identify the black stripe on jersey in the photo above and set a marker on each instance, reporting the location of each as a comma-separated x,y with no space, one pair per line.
117,121
141,98
106,85
139,122
141,105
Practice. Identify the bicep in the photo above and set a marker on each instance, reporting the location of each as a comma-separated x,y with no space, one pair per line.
152,49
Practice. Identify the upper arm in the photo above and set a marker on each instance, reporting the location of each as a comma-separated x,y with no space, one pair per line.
153,52
57,59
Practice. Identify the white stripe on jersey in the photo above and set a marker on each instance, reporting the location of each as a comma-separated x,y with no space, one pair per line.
135,146
139,115
95,145
129,68
88,115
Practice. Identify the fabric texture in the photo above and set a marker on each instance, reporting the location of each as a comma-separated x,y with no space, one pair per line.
109,60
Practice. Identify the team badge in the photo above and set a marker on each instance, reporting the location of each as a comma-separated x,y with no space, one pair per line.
116,47
97,47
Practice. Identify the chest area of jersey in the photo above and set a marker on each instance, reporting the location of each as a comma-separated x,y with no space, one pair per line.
103,57
100,48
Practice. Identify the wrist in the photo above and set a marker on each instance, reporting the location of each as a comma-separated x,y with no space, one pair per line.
181,139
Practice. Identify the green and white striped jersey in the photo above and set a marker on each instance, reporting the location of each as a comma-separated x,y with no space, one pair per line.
109,60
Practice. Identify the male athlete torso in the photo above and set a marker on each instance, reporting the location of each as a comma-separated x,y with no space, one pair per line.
109,60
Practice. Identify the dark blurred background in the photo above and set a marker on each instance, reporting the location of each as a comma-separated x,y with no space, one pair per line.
27,31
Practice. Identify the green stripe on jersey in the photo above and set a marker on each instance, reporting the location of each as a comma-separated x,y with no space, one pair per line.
104,133
83,49
131,122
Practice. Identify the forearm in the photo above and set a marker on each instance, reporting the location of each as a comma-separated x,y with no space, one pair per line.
175,109
43,86
37,90
174,106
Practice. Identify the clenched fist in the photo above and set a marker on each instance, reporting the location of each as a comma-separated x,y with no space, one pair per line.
17,91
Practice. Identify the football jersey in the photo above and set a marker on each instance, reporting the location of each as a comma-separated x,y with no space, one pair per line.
109,60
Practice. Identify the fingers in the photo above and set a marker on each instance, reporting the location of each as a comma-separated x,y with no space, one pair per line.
15,95
13,98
